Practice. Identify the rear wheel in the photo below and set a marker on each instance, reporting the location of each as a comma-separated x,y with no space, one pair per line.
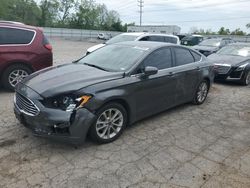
246,79
13,75
110,123
201,93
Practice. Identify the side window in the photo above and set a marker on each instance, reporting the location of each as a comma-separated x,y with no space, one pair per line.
161,59
183,56
170,40
197,57
15,36
156,38
144,39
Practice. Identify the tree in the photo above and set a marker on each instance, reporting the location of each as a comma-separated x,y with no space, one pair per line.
223,31
49,9
64,7
248,25
237,32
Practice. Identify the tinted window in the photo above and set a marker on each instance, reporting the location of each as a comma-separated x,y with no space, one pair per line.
170,40
161,59
156,38
15,36
183,56
197,57
144,39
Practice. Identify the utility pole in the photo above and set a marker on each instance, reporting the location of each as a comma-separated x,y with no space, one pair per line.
140,6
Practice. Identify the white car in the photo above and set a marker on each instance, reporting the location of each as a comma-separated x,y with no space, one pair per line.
137,37
103,36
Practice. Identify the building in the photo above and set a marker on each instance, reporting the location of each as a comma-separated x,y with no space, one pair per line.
168,29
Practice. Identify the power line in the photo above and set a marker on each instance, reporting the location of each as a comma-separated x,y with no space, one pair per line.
140,6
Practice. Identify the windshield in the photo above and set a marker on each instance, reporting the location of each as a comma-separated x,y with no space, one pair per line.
210,42
238,50
121,38
114,58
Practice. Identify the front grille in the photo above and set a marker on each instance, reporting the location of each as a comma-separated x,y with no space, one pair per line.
223,69
26,105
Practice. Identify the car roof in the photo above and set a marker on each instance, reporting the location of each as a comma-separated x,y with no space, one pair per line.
133,34
17,25
240,44
145,44
148,34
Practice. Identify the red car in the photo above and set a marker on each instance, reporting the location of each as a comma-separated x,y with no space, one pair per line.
23,49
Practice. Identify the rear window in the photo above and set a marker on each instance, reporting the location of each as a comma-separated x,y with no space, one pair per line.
15,36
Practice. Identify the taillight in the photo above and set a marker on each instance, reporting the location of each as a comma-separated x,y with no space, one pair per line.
48,46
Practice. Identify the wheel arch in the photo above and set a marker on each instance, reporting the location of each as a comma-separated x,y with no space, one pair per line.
16,63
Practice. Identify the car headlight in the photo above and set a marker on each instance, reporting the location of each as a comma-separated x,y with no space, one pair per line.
69,103
241,67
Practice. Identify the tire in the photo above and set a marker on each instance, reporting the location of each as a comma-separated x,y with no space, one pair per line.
103,129
18,70
201,93
246,80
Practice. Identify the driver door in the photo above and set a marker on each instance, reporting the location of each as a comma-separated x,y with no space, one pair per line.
156,92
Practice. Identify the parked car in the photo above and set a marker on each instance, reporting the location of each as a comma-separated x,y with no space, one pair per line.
232,63
23,49
111,88
137,37
181,36
103,36
191,40
210,46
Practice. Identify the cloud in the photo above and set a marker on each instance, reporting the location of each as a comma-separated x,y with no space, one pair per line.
228,13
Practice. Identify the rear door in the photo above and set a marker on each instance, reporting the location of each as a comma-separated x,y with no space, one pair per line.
188,72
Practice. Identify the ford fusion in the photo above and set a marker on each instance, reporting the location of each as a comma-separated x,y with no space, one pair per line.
232,63
102,93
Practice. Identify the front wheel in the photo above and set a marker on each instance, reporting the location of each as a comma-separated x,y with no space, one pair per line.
201,93
246,79
110,123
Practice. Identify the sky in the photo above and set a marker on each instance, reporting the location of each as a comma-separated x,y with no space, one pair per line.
206,14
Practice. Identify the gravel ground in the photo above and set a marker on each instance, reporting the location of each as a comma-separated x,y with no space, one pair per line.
204,146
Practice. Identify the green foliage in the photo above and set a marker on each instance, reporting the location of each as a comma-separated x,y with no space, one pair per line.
85,14
224,31
238,32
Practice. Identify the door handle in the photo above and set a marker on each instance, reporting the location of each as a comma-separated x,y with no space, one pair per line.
198,68
170,73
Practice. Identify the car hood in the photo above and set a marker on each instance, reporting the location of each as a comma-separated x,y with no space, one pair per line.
205,48
67,78
94,48
227,59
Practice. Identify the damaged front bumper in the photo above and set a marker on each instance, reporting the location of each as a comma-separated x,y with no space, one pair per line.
56,124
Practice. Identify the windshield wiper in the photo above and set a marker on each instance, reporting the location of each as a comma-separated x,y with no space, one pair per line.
95,66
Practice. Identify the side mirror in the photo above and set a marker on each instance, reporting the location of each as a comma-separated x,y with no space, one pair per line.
150,71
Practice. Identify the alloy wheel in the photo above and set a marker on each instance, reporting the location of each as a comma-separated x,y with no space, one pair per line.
202,92
109,123
16,76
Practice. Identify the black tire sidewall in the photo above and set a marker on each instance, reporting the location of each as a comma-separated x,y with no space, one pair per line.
196,101
6,73
93,133
245,78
